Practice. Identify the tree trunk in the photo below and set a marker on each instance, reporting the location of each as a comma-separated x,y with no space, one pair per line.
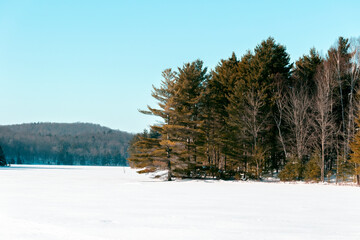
168,162
337,167
169,171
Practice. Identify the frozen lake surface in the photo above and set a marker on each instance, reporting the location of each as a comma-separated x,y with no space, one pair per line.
77,202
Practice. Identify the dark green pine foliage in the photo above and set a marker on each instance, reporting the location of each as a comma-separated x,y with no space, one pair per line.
292,171
249,116
179,146
355,155
218,150
339,58
146,152
2,157
187,127
236,109
312,171
253,104
272,69
271,63
153,151
305,70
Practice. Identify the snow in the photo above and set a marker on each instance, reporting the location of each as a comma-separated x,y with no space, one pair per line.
77,202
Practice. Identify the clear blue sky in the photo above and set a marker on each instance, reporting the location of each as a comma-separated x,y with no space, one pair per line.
96,61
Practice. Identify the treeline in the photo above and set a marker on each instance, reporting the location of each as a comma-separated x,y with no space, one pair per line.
256,115
64,144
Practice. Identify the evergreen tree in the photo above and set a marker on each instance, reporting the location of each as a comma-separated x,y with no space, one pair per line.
187,127
252,104
312,170
218,135
305,70
2,157
339,58
293,170
249,115
272,69
355,155
241,142
147,153
181,139
18,159
154,151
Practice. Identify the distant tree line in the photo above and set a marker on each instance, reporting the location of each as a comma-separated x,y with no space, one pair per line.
64,144
257,115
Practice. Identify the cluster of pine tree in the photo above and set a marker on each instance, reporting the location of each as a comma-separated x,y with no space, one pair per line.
256,115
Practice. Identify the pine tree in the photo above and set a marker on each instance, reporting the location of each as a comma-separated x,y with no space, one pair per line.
293,170
252,104
235,119
179,146
218,136
339,58
355,155
2,157
312,170
249,117
305,70
147,153
187,127
272,69
153,151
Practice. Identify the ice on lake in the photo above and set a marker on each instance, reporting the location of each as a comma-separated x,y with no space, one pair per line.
78,202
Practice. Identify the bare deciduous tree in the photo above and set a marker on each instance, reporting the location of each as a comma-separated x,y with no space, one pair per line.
323,119
280,101
297,116
255,122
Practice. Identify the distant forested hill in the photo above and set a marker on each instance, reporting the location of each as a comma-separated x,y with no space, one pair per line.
64,143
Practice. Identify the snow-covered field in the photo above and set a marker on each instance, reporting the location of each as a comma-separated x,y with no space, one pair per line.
76,202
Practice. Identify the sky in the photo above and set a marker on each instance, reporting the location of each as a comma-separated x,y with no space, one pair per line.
96,61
